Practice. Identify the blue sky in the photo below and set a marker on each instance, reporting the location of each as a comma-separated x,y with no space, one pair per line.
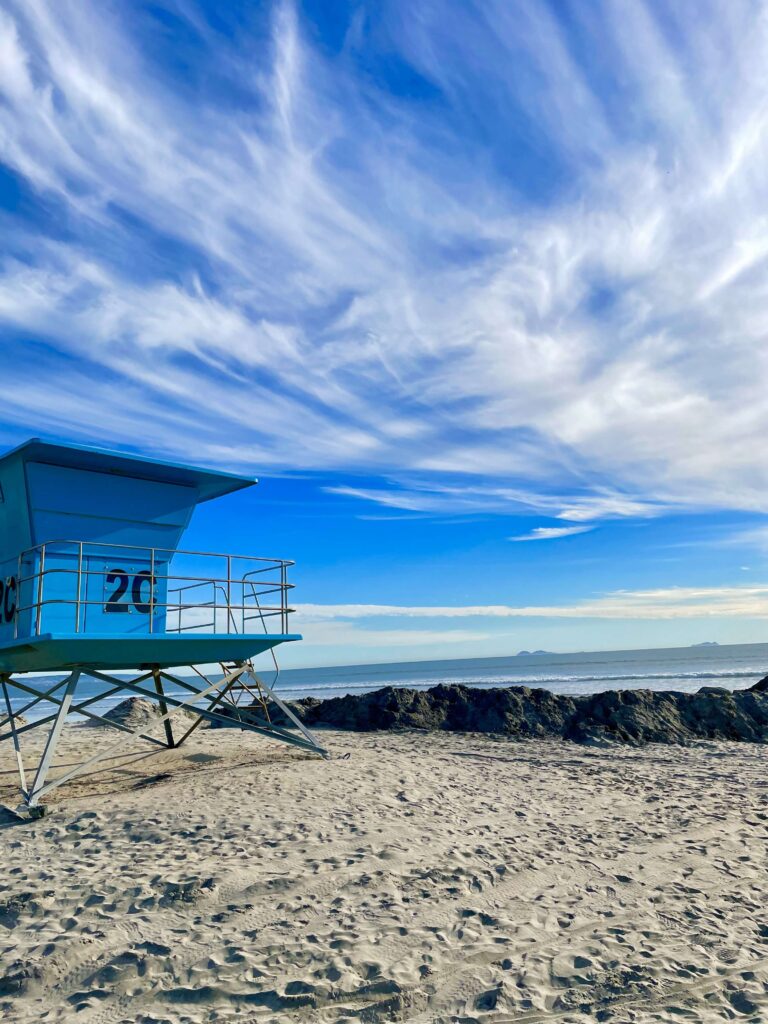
478,291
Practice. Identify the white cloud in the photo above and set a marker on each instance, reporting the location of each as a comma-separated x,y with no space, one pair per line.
345,634
364,281
751,536
473,497
670,603
551,532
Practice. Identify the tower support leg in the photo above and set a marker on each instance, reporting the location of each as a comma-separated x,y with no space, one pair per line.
163,707
15,736
53,740
215,699
287,711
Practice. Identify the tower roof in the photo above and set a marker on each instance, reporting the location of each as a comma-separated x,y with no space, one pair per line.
210,483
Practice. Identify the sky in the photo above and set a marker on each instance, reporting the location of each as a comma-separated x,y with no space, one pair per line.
479,291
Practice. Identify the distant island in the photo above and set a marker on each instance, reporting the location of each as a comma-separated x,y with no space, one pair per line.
707,643
528,654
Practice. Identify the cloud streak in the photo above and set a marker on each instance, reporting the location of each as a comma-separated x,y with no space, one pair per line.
512,278
663,603
551,533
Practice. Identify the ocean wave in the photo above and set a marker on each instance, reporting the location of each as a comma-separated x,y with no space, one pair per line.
538,680
571,682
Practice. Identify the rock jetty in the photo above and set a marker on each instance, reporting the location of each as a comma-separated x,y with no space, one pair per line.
614,716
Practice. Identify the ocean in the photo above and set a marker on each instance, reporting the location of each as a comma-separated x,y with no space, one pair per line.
733,666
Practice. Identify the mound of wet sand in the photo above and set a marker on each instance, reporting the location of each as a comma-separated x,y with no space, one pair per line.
619,716
136,713
133,712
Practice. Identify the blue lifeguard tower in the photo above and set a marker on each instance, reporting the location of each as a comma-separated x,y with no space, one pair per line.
92,581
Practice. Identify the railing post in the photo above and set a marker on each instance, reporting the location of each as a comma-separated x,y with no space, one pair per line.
151,590
230,621
79,586
40,577
18,599
283,598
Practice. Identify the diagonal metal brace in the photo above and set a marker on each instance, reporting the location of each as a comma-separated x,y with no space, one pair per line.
104,754
288,713
215,695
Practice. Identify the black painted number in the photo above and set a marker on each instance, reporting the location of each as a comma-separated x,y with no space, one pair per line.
115,602
138,601
8,595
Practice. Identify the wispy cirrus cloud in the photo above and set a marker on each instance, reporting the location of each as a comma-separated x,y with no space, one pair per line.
504,261
661,603
551,532
477,497
348,635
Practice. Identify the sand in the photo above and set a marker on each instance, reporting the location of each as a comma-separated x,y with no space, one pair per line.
427,877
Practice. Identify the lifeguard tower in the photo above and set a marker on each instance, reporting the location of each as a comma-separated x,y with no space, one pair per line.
92,582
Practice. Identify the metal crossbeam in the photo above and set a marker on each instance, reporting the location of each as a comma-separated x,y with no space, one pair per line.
78,709
32,703
104,754
217,696
226,720
199,720
16,746
284,708
75,708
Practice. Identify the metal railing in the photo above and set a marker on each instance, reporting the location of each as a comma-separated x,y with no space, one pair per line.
82,586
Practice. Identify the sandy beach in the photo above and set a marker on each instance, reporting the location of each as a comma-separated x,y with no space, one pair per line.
425,877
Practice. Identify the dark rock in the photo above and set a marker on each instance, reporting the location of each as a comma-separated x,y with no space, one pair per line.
627,716
254,714
615,716
760,687
301,708
513,710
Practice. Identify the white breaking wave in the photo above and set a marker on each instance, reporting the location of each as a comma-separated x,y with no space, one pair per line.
531,681
562,683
